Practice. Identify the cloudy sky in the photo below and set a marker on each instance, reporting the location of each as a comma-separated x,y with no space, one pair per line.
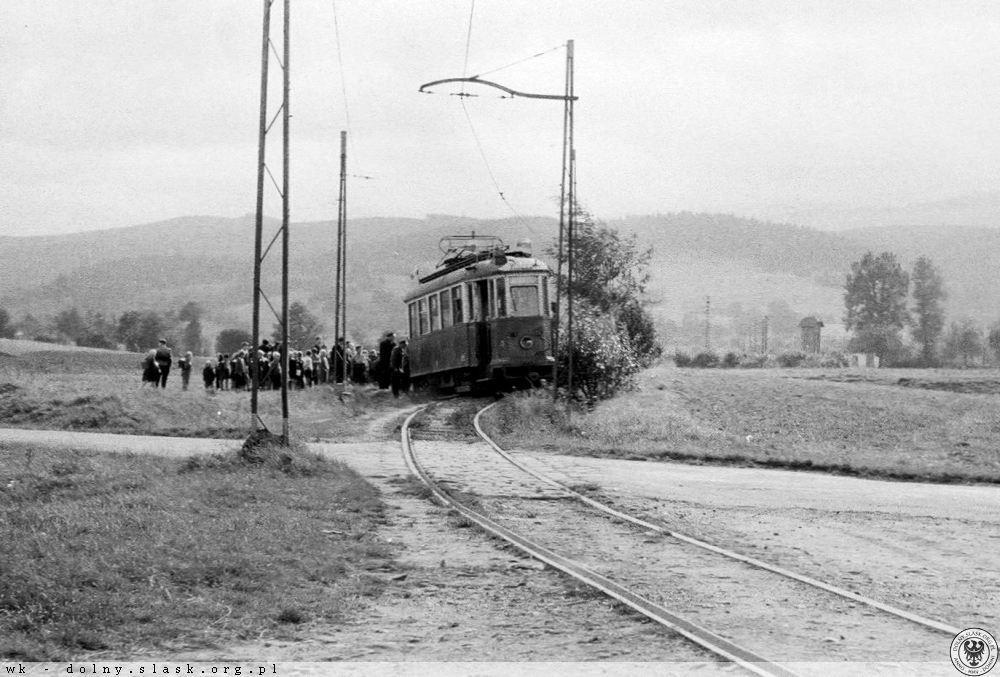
120,112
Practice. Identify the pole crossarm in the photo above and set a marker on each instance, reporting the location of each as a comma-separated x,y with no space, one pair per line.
513,92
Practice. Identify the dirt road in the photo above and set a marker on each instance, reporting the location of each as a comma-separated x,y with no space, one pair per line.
932,548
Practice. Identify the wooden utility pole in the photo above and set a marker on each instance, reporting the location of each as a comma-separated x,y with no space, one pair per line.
340,303
708,324
570,228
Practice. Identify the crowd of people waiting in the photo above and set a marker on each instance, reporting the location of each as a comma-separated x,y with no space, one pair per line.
388,366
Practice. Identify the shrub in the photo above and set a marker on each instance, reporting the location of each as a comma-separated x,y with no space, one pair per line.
604,361
706,360
834,360
791,359
752,361
731,360
682,359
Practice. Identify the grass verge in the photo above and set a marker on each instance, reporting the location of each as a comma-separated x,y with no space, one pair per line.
116,553
102,392
776,419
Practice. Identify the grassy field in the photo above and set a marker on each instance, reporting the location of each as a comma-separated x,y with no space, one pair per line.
117,554
107,556
929,425
47,387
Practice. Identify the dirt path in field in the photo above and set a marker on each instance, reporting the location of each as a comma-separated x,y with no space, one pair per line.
930,548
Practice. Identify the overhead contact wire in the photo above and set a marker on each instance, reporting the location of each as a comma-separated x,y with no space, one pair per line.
340,61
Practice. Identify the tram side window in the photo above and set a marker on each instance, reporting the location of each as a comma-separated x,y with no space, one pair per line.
501,297
545,296
446,308
424,324
482,299
432,302
523,300
414,322
456,301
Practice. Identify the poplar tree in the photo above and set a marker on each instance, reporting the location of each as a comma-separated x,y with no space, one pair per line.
928,320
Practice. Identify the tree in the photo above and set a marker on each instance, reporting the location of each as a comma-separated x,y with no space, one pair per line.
994,341
70,325
875,296
928,293
31,327
140,331
231,340
99,332
303,327
190,312
610,272
128,330
192,336
963,341
6,328
152,327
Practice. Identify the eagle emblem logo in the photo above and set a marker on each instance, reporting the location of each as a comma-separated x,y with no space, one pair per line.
974,651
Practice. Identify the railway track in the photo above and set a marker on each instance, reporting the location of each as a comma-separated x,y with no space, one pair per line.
734,606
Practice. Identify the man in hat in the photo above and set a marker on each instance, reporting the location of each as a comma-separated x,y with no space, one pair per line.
163,360
385,347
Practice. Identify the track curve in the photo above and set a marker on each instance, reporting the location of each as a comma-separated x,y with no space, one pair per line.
932,624
701,636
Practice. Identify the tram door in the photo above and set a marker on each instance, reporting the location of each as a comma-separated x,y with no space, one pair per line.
481,296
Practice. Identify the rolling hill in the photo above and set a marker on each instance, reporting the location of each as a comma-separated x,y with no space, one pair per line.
747,268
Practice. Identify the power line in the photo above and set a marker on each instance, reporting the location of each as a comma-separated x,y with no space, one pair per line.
519,61
340,61
468,39
486,163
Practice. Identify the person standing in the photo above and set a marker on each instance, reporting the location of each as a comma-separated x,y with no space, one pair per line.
399,362
385,348
208,375
185,364
150,371
358,366
163,361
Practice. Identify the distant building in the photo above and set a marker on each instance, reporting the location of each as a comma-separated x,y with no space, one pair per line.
867,360
811,328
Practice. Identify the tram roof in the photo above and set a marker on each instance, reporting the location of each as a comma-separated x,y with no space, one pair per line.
484,264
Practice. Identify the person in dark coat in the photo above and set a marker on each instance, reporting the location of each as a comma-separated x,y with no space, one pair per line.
150,370
185,364
399,361
385,347
163,361
208,374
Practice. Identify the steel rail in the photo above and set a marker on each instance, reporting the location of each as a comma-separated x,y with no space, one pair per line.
603,507
684,627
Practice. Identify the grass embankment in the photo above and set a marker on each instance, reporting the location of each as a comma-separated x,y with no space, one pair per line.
792,419
119,554
101,391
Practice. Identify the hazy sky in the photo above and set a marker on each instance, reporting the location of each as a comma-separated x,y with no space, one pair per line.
119,112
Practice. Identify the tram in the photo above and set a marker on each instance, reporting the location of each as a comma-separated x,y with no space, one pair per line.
482,318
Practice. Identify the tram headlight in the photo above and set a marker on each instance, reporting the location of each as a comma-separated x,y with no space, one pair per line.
527,342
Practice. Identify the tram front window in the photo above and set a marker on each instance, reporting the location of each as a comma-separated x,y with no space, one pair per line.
524,300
